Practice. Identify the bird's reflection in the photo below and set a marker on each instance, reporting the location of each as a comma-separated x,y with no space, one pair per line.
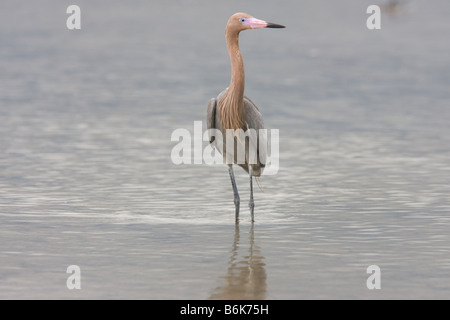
246,275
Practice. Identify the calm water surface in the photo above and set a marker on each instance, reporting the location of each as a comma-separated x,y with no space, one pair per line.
86,176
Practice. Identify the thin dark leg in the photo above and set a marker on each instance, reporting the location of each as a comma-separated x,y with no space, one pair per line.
251,204
237,200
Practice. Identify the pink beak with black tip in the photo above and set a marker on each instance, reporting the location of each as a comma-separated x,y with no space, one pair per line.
256,24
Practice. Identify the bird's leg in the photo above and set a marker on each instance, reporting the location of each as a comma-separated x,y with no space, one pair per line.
251,204
237,200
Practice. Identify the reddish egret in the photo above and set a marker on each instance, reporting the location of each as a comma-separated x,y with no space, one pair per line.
232,109
391,7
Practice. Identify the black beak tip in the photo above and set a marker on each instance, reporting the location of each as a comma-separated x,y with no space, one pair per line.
274,25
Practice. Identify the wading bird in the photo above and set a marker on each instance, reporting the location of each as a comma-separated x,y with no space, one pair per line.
233,110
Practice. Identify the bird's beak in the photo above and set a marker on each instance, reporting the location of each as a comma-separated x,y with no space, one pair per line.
256,24
274,25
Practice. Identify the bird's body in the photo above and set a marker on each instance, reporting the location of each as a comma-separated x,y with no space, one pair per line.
233,110
252,119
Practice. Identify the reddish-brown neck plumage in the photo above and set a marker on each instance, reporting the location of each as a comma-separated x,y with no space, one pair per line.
231,106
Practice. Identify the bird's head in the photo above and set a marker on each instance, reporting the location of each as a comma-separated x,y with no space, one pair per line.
242,21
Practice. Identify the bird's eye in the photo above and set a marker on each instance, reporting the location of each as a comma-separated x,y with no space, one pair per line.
242,20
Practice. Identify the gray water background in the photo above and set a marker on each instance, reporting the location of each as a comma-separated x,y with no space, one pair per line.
86,176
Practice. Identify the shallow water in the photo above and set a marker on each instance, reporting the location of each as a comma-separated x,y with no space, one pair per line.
87,179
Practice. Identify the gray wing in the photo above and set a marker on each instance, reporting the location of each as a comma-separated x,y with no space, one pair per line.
254,120
252,115
211,117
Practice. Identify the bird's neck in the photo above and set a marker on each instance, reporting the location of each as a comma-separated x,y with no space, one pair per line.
232,106
237,83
